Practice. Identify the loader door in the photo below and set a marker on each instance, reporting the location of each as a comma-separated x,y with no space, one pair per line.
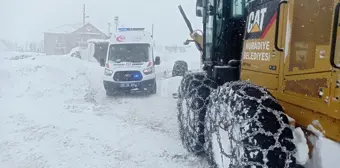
261,61
311,76
307,69
335,62
335,43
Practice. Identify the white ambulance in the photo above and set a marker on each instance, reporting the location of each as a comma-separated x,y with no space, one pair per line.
130,62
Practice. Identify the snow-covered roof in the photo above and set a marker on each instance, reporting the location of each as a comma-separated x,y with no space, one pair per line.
66,29
101,30
73,28
98,40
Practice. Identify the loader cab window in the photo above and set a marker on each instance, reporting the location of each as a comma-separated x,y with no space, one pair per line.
218,23
218,20
238,7
214,22
208,20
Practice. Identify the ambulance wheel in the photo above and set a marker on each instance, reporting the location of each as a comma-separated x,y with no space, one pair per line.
193,97
180,68
154,88
246,127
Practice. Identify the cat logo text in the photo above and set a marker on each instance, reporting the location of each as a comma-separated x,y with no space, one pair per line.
255,20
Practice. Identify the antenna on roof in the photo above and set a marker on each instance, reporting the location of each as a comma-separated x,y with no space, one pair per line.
152,31
116,18
84,14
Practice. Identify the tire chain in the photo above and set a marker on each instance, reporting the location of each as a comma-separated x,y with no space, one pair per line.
193,121
219,117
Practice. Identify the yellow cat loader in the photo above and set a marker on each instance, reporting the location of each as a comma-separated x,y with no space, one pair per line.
265,62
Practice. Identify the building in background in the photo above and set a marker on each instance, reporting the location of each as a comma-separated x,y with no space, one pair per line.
63,39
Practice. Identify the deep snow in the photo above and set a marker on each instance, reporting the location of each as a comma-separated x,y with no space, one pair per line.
54,113
325,151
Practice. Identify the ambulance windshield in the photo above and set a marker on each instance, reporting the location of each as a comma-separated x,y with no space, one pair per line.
129,53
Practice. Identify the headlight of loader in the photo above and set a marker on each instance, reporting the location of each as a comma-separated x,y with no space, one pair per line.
108,72
148,71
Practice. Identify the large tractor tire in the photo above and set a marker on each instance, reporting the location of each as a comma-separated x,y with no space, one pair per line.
193,98
246,127
180,68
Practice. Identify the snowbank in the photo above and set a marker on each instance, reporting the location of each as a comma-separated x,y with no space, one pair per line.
16,55
75,52
83,53
302,148
324,154
45,74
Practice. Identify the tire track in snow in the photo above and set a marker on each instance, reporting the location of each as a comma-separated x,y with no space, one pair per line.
104,106
136,109
127,114
130,110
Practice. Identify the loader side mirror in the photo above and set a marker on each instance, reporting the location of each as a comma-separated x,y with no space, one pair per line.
157,60
199,8
187,42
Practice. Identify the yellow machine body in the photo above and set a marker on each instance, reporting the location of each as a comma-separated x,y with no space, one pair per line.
296,66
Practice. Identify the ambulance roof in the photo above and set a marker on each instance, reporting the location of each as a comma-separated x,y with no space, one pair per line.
131,35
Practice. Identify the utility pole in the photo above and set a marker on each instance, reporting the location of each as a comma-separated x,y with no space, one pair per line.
116,22
84,14
152,31
152,35
109,29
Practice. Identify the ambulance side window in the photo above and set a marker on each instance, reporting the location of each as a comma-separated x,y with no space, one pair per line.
151,53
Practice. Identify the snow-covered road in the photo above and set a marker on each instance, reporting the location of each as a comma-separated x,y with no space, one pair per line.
54,113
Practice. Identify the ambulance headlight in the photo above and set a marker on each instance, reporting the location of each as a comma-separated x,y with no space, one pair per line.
108,72
148,70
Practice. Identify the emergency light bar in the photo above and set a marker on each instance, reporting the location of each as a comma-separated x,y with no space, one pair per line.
131,29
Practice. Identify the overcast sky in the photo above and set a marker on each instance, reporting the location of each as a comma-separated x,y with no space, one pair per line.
26,20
